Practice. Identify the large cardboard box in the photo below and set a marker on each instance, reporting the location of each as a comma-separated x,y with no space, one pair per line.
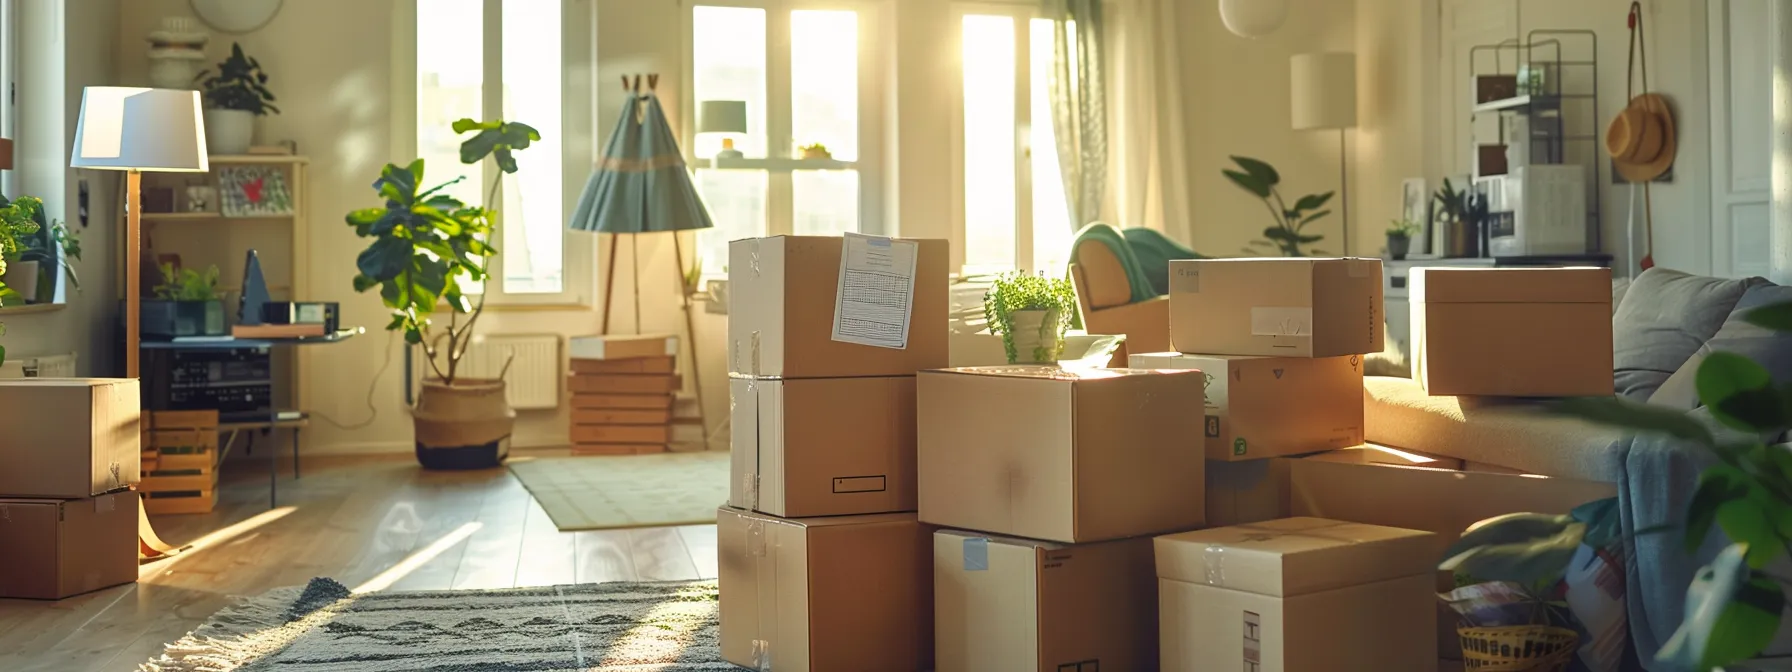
783,294
823,446
837,593
1259,407
68,438
1512,332
55,548
1276,307
1066,456
1015,605
1296,594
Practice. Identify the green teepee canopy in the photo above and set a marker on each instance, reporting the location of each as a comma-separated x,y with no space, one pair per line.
640,184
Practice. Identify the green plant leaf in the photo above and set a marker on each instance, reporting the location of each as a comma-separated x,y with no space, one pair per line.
1248,183
1520,547
1314,217
1731,615
1618,412
385,258
1313,201
1777,317
1740,393
1604,524
365,216
1747,523
1717,485
1308,240
364,283
506,160
1261,171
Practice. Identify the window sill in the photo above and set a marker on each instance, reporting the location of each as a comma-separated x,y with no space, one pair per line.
32,308
773,164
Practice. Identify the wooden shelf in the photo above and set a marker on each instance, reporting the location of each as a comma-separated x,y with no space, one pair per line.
30,308
209,217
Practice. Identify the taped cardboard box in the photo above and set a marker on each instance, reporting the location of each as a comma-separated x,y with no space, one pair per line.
57,548
834,593
1065,456
1258,407
1276,307
1512,332
1002,603
622,346
823,446
68,438
1296,594
783,296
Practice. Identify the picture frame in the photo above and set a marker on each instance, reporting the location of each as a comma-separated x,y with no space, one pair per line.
253,191
1415,205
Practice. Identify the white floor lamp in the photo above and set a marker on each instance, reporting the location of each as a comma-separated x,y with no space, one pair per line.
1323,93
135,130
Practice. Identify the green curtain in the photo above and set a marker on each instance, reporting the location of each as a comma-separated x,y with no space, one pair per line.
1079,104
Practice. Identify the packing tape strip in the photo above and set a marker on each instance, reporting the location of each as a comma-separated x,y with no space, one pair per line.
754,255
976,554
762,655
1213,561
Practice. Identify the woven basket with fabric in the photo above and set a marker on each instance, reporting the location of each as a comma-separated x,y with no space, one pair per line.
1512,648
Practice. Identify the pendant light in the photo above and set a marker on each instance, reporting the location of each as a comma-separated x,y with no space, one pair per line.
1253,18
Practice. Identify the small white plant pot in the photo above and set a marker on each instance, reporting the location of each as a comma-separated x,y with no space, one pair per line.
229,131
1036,336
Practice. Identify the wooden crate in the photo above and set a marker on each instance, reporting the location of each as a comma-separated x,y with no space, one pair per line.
180,462
636,434
622,401
625,383
637,365
617,448
621,416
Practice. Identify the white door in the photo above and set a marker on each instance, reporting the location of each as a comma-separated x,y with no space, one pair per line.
1741,149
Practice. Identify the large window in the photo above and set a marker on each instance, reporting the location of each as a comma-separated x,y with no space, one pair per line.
1013,214
802,74
517,72
8,45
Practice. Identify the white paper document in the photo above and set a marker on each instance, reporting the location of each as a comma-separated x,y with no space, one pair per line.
877,289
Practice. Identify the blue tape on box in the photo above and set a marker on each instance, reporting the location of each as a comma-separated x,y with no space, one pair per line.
976,554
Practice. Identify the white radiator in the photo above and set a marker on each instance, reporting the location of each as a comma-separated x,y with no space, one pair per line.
535,377
47,366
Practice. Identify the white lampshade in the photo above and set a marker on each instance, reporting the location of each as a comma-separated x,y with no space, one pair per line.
1323,90
129,128
1253,18
722,116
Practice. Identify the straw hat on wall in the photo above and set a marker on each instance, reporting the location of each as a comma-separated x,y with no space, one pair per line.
1640,139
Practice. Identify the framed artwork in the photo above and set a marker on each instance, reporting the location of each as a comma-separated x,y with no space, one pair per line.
1415,206
253,191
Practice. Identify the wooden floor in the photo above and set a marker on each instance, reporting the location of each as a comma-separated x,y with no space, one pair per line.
367,522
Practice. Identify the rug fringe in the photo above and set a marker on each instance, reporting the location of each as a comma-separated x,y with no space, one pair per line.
225,645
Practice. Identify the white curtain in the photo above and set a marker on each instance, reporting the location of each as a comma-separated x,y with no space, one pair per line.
1148,173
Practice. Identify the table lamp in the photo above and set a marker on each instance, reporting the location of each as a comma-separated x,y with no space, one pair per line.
641,186
135,130
1324,97
723,116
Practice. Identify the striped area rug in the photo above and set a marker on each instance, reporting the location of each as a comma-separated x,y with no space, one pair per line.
608,627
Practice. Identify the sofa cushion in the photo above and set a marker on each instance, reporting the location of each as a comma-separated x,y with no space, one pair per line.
1771,349
1665,317
1512,433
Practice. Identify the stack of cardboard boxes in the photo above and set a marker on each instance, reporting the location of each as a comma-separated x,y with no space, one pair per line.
821,558
622,392
68,458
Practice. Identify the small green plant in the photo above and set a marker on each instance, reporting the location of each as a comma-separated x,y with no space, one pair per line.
238,84
1458,206
186,284
1014,292
814,149
1402,228
1287,235
20,219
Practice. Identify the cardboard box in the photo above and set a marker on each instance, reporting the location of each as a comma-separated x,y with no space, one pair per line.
836,593
1296,594
612,347
666,364
1276,307
57,548
1246,492
1066,456
823,446
1370,453
782,296
1512,332
661,401
1259,407
624,383
68,438
1015,604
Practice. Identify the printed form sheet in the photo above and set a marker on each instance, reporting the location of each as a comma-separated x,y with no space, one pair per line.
877,289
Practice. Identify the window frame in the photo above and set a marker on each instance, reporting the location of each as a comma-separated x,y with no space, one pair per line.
873,55
9,51
579,258
1022,13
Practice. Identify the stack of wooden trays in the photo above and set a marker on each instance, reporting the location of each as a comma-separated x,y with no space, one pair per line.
622,392
180,462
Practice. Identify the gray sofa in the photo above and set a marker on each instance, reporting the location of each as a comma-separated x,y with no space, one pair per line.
1663,326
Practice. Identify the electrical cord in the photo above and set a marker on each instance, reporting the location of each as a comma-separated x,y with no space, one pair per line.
373,412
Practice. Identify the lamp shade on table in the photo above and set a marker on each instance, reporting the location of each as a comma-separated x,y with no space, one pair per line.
126,128
722,116
1323,90
641,184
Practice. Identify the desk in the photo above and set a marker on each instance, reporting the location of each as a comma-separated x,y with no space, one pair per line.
293,420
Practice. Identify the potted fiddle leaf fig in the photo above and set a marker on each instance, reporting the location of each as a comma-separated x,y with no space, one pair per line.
427,248
1031,314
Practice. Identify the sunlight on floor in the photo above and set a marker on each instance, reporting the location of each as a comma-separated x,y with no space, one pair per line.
653,634
215,538
410,564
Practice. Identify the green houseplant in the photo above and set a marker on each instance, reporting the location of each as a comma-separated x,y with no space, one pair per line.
187,303
1400,233
1461,213
1030,313
235,94
1287,234
1732,606
427,246
18,223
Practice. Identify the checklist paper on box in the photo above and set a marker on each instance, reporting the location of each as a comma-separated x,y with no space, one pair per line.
877,280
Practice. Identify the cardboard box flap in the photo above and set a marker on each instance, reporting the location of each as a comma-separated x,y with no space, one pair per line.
1170,360
1046,372
1510,285
1294,556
